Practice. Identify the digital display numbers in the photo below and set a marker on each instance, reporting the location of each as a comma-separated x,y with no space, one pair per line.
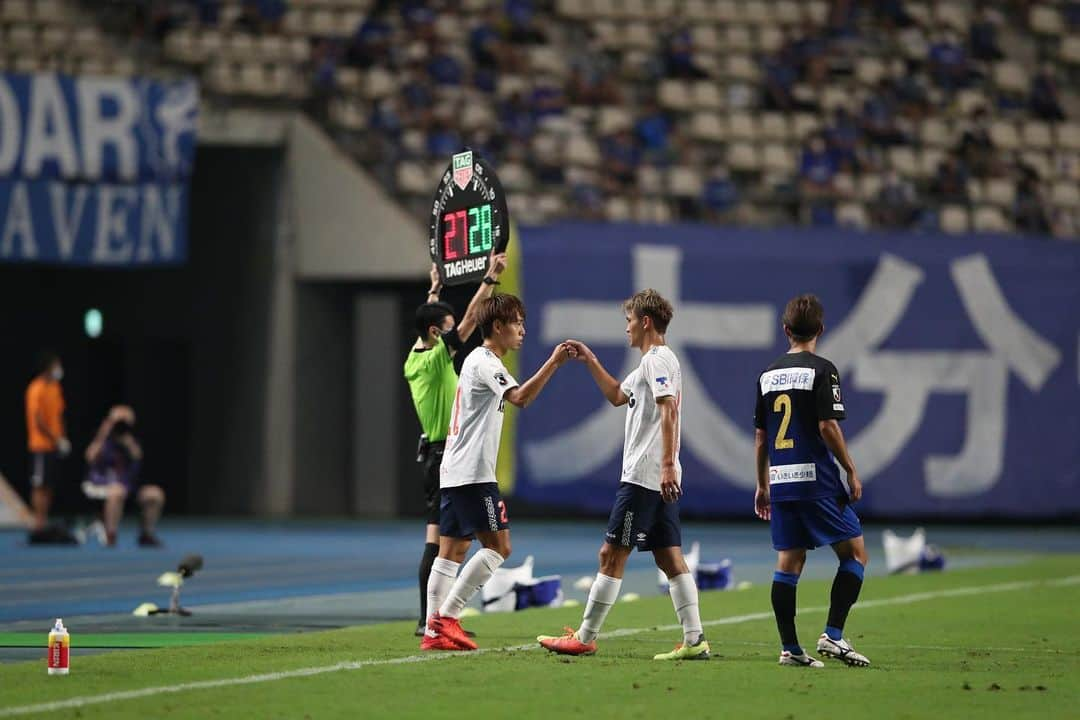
467,232
469,220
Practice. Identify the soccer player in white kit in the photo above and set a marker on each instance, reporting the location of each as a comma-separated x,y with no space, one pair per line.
646,511
470,504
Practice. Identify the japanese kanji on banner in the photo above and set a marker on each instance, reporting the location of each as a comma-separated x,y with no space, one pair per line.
958,357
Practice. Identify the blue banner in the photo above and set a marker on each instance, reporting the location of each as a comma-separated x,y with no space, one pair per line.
95,171
958,358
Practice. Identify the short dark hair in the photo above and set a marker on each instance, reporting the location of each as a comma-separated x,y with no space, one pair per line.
45,360
430,314
504,306
651,303
804,317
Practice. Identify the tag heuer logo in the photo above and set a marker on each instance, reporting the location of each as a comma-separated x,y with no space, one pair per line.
463,169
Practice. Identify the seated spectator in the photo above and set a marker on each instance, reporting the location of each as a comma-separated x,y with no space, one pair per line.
371,44
893,14
719,196
587,201
879,117
810,55
1045,101
1029,212
386,117
948,63
842,19
976,149
516,117
982,37
592,80
817,169
653,131
843,138
208,12
780,78
249,20
115,457
678,54
443,140
1071,13
910,95
523,27
485,43
950,183
895,207
621,161
444,68
547,100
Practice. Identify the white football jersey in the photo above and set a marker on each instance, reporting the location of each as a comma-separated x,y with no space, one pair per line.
658,375
472,444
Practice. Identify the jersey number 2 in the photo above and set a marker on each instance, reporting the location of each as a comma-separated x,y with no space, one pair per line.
783,404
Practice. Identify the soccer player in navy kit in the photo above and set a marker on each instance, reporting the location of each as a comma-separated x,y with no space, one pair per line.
798,443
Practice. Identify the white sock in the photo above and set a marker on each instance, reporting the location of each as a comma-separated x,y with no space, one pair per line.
684,596
602,595
441,579
476,572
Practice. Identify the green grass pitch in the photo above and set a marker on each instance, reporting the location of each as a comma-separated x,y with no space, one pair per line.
983,643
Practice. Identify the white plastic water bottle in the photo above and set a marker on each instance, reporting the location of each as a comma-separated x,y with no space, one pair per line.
59,649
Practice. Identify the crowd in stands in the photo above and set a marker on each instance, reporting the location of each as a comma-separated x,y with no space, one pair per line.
889,114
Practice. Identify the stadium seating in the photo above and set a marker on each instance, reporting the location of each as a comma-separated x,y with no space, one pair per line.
696,83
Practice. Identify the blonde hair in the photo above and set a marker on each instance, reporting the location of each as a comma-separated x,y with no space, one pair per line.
650,303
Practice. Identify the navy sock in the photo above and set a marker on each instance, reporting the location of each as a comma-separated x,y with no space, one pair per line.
431,551
783,602
845,591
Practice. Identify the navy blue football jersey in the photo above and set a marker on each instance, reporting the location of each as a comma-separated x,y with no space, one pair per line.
793,394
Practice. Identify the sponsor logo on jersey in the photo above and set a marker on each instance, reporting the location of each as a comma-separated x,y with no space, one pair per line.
787,379
836,393
663,383
839,407
501,378
631,401
798,472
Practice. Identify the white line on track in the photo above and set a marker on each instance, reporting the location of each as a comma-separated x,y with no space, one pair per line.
83,701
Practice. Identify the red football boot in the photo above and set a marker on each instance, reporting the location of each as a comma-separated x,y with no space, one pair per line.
451,629
567,644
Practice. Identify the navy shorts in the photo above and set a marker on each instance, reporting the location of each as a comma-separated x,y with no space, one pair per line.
641,519
469,509
808,524
44,469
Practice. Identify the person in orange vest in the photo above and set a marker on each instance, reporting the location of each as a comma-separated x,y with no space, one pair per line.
46,437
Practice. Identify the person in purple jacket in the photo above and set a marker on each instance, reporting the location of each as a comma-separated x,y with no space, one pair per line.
114,458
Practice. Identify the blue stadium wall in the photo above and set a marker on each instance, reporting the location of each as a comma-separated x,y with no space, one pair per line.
958,358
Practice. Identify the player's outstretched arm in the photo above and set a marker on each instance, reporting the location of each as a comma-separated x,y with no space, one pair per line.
761,460
525,393
834,440
496,265
609,386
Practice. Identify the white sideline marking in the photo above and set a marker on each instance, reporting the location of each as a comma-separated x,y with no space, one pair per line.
85,700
